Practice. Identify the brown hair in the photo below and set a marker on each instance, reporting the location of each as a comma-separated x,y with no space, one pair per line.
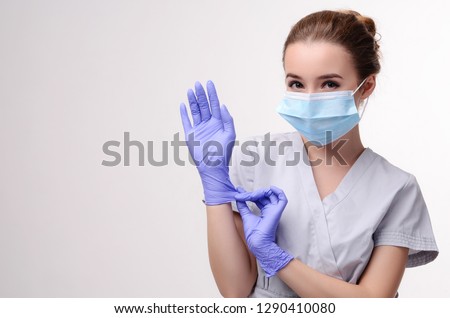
348,28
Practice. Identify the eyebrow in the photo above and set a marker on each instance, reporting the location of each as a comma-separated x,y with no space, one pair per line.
332,75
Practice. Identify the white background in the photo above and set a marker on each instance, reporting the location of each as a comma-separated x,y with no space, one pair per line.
75,74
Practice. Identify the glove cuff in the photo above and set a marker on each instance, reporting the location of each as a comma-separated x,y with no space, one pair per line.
273,258
217,187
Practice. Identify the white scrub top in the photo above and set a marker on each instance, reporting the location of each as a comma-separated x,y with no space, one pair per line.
376,203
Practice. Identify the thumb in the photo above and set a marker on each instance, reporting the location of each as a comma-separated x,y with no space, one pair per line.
185,119
227,120
244,210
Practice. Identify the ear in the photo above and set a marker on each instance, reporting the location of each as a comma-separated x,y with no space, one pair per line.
368,86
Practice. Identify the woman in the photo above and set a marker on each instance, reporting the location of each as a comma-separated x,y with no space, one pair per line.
353,221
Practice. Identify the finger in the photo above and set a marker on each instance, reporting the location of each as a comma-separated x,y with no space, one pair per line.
263,201
227,120
280,194
259,204
202,102
273,198
259,197
252,196
185,119
213,100
240,189
271,217
195,109
244,210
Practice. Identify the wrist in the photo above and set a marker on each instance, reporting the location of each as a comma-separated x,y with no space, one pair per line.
272,258
217,185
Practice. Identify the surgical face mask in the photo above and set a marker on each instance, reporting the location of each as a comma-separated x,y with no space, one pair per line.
321,117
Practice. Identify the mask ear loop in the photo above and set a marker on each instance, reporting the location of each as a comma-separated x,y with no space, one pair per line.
363,107
359,86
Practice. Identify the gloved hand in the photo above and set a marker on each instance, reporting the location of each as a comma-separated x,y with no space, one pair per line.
260,230
210,141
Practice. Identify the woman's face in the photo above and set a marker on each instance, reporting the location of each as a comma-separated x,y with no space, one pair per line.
316,67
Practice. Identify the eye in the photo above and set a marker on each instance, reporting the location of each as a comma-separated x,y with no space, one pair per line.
295,84
330,84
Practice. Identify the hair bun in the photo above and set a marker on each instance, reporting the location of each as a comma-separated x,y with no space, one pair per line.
367,22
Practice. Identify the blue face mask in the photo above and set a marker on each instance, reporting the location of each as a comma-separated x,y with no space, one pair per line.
321,117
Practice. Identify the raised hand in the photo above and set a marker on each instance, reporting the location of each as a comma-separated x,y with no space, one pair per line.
210,139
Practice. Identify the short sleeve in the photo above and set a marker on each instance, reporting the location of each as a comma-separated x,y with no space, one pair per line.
407,223
242,167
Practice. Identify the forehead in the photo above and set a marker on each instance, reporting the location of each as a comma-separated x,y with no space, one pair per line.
312,59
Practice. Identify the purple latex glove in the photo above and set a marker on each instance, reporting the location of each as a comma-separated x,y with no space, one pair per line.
260,230
210,141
